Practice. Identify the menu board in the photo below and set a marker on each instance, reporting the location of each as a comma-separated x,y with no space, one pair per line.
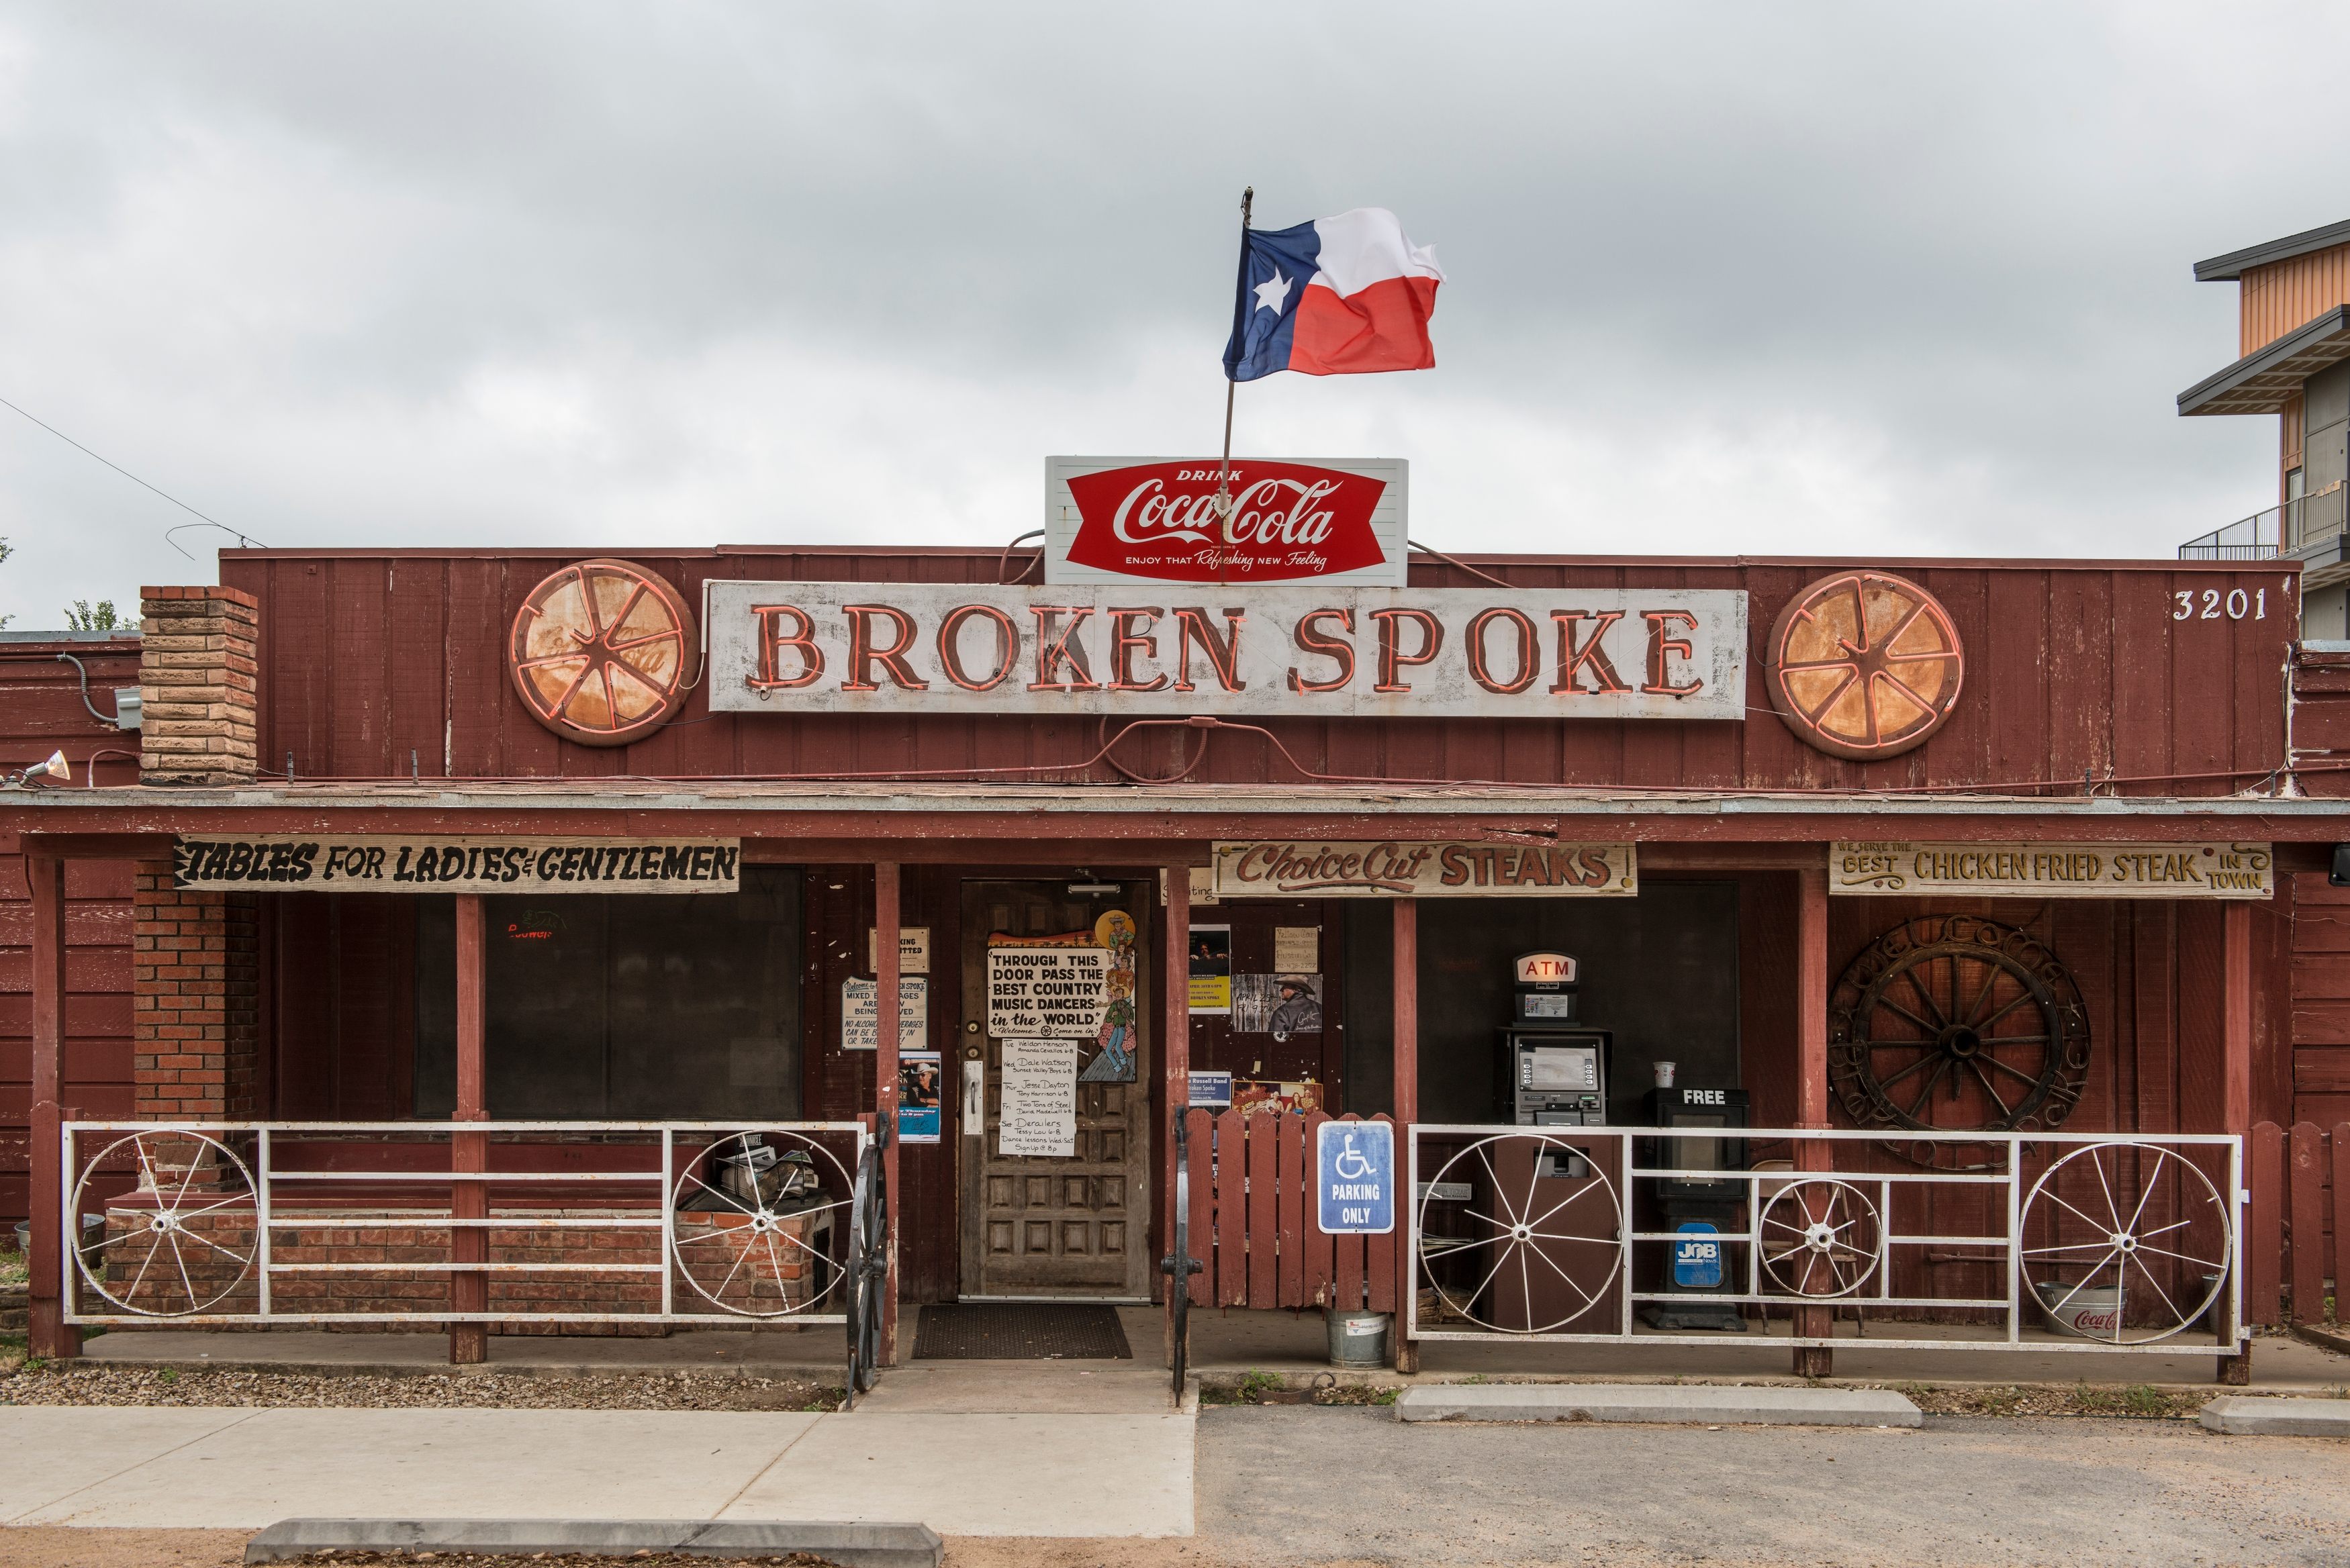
1038,1114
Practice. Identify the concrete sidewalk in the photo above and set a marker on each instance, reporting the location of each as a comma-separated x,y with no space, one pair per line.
969,1473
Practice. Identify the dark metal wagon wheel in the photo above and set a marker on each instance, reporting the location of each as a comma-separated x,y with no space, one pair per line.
1953,1023
868,1266
1179,1265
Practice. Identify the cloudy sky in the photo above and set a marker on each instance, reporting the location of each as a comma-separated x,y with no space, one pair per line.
1724,278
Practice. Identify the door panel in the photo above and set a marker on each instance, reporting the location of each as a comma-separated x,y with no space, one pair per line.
1052,1227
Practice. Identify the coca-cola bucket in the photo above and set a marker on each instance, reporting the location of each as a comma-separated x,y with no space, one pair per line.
2088,1312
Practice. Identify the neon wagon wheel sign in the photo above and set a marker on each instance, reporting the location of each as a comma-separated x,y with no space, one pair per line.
1864,665
603,652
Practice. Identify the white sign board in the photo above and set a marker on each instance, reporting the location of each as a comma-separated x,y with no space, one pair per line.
453,863
1205,648
1332,869
2055,870
1038,1112
913,949
860,1014
1047,992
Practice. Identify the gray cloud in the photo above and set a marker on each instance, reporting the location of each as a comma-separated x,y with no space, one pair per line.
1827,277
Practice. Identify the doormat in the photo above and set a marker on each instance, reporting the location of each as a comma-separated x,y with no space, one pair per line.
1020,1331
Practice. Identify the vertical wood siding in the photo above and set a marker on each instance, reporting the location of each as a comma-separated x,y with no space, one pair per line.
2273,300
41,712
372,661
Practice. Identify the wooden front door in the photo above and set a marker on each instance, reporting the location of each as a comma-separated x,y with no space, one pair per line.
1041,1226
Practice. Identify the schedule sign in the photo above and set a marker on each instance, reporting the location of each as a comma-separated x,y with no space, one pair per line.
1355,1179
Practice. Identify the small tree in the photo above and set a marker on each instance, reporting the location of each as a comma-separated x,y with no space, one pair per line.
83,617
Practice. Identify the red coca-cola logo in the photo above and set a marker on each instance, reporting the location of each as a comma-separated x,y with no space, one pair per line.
1286,521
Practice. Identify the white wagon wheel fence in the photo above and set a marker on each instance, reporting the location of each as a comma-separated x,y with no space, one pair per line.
757,1242
2126,1243
1531,1250
182,1242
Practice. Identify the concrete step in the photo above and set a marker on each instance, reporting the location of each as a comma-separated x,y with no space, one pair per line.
850,1545
2244,1416
1674,1403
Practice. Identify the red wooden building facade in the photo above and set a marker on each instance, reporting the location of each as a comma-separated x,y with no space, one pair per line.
2126,704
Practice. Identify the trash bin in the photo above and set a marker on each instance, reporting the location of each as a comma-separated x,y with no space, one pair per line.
1358,1338
93,1231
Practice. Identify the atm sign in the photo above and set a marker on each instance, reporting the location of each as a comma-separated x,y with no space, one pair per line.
1536,968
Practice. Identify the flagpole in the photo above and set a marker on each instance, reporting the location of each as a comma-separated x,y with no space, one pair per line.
1224,474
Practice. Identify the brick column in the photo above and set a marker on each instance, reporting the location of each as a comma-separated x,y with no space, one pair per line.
197,670
196,1008
196,993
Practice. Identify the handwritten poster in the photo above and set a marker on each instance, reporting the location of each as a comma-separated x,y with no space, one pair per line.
1047,992
1038,1114
860,1014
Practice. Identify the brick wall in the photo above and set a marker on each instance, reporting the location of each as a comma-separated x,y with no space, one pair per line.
757,1274
196,1006
198,667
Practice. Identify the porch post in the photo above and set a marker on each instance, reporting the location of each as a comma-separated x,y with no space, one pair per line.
885,1079
51,1336
469,1343
2236,1073
1812,1076
1175,1059
1405,978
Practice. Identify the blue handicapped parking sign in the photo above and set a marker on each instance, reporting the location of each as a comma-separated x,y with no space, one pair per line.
1354,1184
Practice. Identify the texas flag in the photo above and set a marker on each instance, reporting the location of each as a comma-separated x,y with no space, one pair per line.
1333,297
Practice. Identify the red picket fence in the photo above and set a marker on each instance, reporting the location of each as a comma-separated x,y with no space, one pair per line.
1253,1221
2299,1233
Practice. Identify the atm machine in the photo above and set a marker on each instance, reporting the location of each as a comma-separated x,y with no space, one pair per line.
1552,1073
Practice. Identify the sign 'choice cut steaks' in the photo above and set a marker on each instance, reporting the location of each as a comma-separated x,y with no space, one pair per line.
1215,649
1322,868
1124,519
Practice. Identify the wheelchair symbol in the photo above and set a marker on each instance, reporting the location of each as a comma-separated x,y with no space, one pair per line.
1350,1165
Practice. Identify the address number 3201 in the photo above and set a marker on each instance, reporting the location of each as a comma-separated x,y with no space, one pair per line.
2236,605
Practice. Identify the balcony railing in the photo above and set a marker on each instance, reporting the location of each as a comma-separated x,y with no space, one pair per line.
2255,538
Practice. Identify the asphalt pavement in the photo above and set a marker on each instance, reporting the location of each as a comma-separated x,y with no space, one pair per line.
1299,1485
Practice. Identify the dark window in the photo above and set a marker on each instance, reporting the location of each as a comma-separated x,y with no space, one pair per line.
622,1009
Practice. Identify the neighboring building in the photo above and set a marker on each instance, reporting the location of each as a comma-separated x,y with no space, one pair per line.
2293,314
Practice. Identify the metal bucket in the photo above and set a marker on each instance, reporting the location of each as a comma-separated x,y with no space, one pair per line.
1358,1338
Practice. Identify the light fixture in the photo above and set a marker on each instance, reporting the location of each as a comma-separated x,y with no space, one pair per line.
56,767
1095,889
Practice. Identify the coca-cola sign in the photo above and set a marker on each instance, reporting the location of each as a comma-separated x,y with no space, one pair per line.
1191,521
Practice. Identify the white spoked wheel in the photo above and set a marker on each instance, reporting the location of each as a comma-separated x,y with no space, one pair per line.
755,1258
2101,1245
1821,1238
193,1247
1543,1248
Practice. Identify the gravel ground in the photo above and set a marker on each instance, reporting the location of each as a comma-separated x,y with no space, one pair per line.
566,1560
88,1383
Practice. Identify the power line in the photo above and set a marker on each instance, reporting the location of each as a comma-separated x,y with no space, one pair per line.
134,479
